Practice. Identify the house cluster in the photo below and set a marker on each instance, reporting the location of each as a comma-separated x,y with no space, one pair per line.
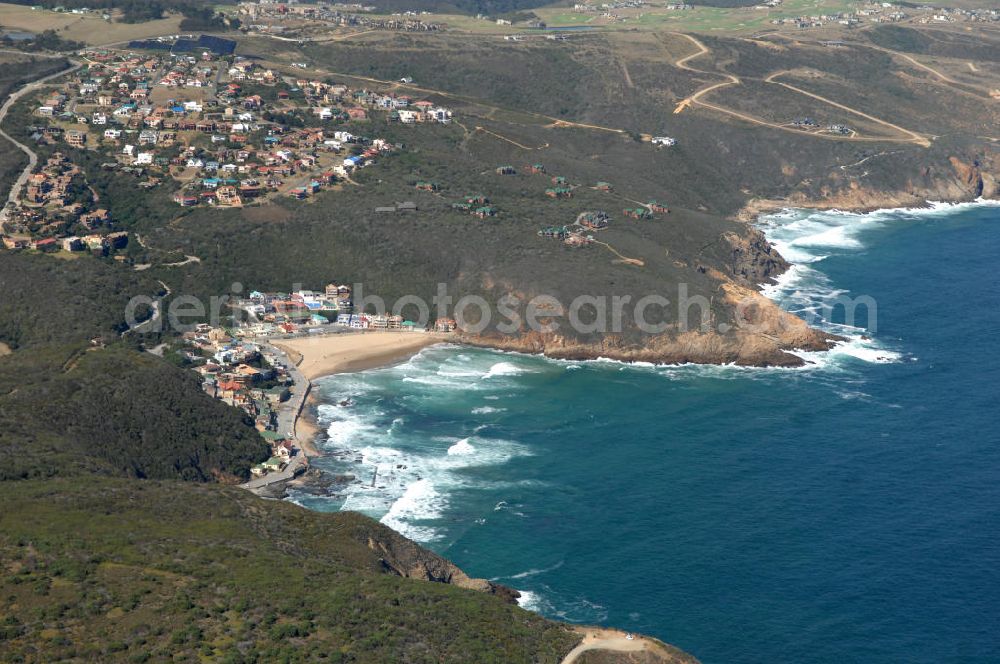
839,129
960,15
872,12
58,210
288,313
243,375
580,232
301,19
251,133
604,7
308,311
477,205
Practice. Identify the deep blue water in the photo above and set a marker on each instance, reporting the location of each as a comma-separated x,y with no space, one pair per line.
846,512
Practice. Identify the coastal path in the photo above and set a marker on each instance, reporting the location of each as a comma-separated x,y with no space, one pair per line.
598,638
15,191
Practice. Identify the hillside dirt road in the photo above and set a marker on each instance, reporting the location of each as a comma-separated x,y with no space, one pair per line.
696,99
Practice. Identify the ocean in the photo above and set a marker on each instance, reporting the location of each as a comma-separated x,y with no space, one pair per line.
845,511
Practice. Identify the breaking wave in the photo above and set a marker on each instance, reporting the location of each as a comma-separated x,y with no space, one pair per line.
406,452
806,238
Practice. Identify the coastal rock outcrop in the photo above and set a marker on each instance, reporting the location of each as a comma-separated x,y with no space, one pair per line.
957,180
745,328
408,559
754,260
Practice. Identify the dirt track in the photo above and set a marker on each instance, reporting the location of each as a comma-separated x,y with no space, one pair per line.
696,99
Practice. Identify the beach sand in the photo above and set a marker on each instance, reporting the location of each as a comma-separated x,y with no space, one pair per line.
306,427
348,352
343,353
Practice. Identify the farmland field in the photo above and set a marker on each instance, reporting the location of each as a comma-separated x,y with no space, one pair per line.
90,29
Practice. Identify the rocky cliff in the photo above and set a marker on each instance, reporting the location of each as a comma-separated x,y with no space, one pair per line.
403,557
967,178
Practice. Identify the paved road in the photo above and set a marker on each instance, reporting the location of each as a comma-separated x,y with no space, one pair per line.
15,192
288,415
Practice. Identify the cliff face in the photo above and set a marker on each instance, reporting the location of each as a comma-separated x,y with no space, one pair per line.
759,334
967,178
407,559
754,260
747,328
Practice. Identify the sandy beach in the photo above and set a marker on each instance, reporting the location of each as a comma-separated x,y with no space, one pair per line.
346,352
318,356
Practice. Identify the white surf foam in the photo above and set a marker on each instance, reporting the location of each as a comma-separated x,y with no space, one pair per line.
529,601
463,447
420,502
529,573
504,369
486,410
807,238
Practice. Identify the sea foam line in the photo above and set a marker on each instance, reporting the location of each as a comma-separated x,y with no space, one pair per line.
807,237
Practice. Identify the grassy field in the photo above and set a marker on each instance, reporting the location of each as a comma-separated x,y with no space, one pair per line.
89,29
657,17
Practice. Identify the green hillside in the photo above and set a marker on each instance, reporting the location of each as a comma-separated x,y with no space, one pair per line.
124,571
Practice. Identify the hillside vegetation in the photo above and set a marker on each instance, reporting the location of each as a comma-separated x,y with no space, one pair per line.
114,570
118,538
47,300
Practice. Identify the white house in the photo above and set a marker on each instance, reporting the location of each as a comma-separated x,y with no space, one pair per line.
665,141
439,114
144,158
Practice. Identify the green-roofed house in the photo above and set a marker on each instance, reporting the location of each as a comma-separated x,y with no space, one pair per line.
274,464
271,436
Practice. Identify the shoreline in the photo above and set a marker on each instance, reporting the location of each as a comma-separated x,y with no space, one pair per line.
346,352
756,208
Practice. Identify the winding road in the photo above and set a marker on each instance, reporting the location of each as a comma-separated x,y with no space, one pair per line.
15,191
696,99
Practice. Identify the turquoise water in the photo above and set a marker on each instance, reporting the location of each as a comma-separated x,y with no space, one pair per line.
848,511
